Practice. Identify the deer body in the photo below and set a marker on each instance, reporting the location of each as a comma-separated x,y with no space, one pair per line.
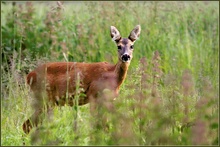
58,74
58,80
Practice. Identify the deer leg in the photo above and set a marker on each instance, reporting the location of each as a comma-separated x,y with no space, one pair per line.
32,121
101,106
40,105
35,119
107,106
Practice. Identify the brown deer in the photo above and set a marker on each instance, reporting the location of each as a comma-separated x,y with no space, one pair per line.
54,83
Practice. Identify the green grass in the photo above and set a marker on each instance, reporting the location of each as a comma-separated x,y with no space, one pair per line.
149,110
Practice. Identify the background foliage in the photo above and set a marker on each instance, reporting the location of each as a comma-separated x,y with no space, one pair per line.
170,96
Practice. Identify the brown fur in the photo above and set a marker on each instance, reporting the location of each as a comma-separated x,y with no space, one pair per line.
58,80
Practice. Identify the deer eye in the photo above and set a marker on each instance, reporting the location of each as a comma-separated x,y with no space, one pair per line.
132,47
119,47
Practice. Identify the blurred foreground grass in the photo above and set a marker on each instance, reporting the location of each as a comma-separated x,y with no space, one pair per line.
170,97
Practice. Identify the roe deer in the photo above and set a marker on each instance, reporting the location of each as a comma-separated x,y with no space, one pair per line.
57,81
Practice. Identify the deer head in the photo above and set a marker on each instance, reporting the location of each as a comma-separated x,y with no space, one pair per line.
125,45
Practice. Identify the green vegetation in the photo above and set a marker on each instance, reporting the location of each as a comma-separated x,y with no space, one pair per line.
170,95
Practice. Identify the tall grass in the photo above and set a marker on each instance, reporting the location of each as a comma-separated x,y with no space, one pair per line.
170,96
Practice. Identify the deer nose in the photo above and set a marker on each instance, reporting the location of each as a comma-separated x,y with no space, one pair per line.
125,58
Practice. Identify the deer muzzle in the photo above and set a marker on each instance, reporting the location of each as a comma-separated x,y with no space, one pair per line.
125,58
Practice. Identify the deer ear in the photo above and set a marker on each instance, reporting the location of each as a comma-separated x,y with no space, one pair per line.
135,33
115,34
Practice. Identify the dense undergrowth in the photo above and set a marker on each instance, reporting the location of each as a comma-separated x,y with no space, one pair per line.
170,95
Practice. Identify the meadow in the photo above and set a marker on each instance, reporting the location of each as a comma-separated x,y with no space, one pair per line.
170,95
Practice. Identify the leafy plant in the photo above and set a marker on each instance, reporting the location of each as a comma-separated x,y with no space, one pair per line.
170,95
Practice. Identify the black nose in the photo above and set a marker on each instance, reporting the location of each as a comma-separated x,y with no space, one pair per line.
125,57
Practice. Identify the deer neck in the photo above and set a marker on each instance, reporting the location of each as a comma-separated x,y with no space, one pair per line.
121,69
